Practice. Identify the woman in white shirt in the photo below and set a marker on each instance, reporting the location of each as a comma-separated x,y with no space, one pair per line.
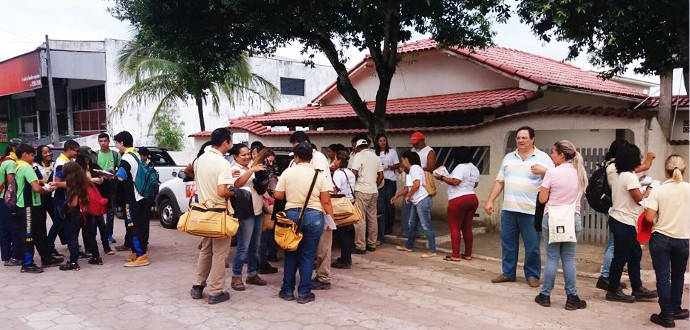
626,195
462,204
669,242
344,182
390,163
421,202
249,233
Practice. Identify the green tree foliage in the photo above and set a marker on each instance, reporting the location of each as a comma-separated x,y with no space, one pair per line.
167,76
168,130
210,30
651,35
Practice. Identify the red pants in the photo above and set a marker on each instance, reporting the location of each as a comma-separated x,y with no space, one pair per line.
460,214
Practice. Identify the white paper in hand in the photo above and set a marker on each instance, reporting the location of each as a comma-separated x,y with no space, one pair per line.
442,171
329,223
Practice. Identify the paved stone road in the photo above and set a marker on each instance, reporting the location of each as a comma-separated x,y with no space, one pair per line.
384,290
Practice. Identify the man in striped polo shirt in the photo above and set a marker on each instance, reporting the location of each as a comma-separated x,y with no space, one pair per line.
519,178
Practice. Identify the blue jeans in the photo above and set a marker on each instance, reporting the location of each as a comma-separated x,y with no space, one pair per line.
421,214
10,238
268,248
248,241
514,225
566,253
385,210
608,256
626,250
302,258
669,258
405,220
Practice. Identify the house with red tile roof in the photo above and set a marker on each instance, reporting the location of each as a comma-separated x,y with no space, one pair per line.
472,100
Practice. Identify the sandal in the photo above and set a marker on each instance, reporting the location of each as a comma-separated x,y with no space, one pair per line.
462,255
237,284
450,258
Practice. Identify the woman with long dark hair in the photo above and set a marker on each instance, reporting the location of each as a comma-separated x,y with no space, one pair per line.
95,223
669,242
76,197
626,196
344,183
390,163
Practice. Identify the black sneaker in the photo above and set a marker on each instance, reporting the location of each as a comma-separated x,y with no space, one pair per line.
681,314
54,261
603,283
266,268
107,250
339,264
12,262
54,253
70,266
286,296
32,269
197,291
643,293
664,322
96,261
318,285
543,300
371,248
619,296
308,298
574,302
358,251
224,296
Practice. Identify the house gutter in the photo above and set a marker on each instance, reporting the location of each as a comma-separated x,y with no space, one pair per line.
601,94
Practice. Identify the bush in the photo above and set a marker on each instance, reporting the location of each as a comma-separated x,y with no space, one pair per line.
168,130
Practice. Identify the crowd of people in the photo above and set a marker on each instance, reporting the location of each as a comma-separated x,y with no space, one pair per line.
33,186
536,187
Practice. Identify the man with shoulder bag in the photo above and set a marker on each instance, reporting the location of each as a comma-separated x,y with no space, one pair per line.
212,182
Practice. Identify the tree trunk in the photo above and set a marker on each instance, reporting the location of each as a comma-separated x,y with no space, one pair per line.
200,109
665,98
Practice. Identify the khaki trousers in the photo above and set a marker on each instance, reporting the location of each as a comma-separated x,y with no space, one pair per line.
323,257
367,227
210,268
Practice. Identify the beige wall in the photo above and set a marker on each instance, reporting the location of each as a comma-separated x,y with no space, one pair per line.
678,134
429,73
558,97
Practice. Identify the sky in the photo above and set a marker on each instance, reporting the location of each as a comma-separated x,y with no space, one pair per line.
24,24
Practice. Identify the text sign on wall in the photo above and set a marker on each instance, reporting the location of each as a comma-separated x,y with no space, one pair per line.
20,74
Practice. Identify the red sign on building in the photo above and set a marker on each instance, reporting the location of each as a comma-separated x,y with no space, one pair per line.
20,74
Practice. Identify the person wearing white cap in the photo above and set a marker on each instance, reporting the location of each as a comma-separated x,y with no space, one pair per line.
369,173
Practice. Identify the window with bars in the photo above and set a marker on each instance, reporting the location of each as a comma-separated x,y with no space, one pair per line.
89,110
686,126
291,86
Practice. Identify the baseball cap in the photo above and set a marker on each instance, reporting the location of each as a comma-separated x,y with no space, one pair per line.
15,142
416,136
361,142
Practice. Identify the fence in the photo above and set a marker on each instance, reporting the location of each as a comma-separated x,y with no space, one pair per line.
594,224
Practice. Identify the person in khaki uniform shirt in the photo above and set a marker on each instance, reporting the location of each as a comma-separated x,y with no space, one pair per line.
367,168
212,180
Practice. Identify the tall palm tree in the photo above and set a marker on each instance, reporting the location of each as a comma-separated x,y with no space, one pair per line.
160,77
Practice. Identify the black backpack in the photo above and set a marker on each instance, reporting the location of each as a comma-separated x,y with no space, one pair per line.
598,192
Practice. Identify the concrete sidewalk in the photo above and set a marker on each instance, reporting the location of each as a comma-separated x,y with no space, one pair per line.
487,246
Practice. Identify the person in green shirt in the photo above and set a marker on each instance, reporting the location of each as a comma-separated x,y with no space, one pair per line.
30,214
10,240
108,160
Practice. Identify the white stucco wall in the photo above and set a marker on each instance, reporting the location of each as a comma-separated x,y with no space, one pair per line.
428,73
558,97
137,119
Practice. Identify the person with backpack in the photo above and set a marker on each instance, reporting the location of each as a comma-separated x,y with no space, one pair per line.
94,223
132,175
10,239
599,198
108,160
76,185
29,213
57,180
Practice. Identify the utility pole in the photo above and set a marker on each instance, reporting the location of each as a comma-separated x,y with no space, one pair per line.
54,134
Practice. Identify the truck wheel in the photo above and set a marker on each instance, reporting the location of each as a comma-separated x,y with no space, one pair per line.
168,213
